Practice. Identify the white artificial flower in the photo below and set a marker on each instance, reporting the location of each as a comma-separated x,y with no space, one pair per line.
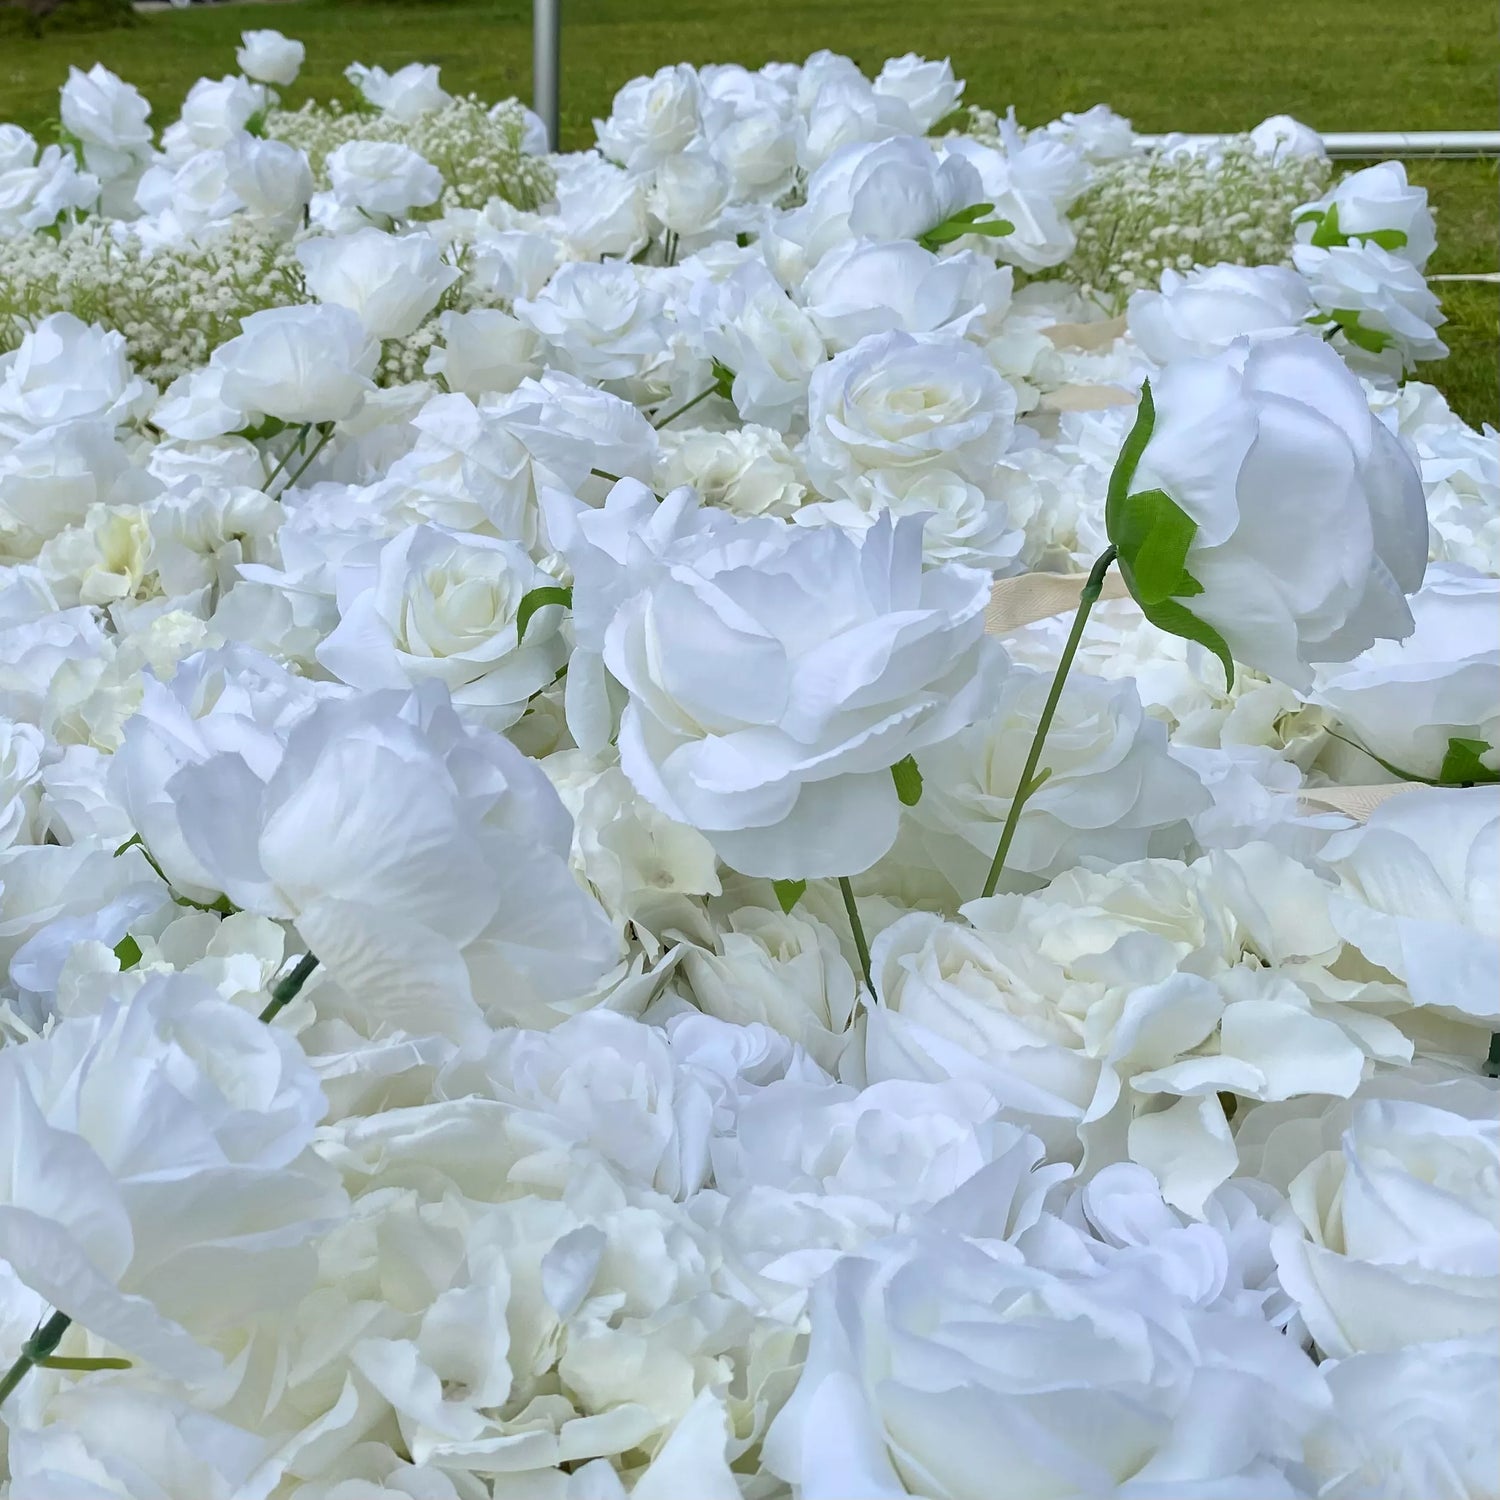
652,119
424,863
109,117
785,970
299,364
1420,896
1031,186
602,209
65,370
1308,515
271,179
1202,313
748,470
898,403
1114,792
600,322
928,89
21,750
405,95
214,111
1406,701
689,190
1377,201
768,342
37,186
1414,1421
391,281
1392,1238
937,1366
787,774
1098,132
382,177
1281,137
435,605
484,350
270,57
162,1160
1386,315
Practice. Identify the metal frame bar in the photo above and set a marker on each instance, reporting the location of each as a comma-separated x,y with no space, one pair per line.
1388,142
546,64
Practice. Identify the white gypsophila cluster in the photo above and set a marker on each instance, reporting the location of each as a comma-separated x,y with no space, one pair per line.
479,150
566,930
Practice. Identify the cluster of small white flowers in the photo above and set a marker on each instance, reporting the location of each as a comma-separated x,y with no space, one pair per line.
175,304
1174,209
478,148
590,907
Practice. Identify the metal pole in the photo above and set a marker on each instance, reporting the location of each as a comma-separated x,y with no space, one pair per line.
546,36
1385,142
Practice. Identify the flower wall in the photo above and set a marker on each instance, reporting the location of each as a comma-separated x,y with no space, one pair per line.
804,806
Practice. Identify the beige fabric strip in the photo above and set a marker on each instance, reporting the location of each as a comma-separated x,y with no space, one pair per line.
1356,802
1086,335
1030,597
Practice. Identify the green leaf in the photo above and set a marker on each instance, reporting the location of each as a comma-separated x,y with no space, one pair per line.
1178,620
535,600
82,1362
964,221
908,781
1492,1062
1372,340
723,379
1462,765
1123,475
267,427
128,951
1327,235
130,843
788,893
1387,239
1153,534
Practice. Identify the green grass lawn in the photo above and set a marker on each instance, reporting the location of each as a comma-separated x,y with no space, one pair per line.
1168,64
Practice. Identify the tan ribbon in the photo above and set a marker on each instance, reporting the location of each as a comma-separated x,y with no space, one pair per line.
1030,597
1086,335
1085,398
1356,802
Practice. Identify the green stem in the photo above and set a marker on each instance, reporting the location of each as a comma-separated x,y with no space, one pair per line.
686,406
286,457
858,929
306,463
286,990
37,1348
1086,599
605,474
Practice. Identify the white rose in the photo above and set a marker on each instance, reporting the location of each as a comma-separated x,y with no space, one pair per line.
1416,1421
1032,188
391,281
299,364
513,263
270,178
436,605
1309,525
269,57
1386,315
689,191
1404,701
382,177
406,94
748,470
600,322
895,402
785,971
1202,313
758,149
602,209
938,1365
482,351
652,118
1392,1238
1114,793
136,1232
867,286
731,727
64,370
36,189
1282,136
21,750
928,89
1420,896
1377,203
214,111
901,188
109,116
769,342
1098,132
